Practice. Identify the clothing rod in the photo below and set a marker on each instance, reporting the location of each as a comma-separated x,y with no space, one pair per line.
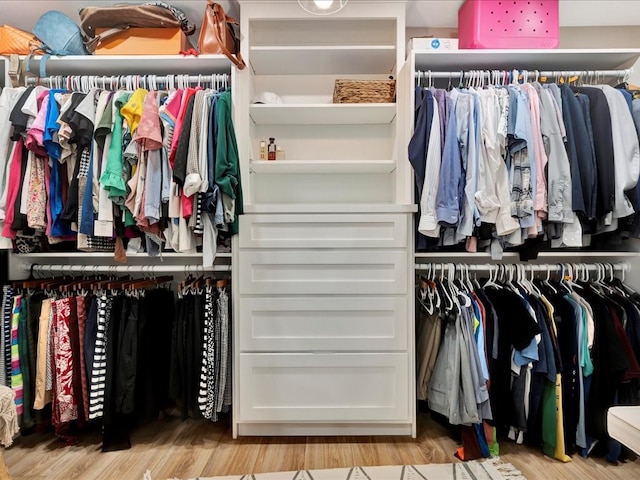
86,82
145,269
531,73
553,267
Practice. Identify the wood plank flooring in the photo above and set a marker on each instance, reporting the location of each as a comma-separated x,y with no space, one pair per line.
171,448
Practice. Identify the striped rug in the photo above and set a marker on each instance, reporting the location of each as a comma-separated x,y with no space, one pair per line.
475,470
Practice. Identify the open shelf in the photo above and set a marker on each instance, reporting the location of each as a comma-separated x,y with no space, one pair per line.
322,59
132,65
322,166
324,114
549,59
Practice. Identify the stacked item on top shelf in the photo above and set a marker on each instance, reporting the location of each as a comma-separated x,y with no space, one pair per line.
114,354
511,166
102,170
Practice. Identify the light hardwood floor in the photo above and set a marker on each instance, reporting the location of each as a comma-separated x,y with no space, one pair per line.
171,448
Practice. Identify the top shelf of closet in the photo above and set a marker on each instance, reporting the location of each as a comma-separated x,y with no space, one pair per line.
107,65
549,59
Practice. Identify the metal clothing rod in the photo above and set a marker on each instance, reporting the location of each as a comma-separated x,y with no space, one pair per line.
129,82
145,269
550,267
532,74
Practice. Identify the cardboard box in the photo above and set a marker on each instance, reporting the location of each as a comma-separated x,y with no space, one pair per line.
144,41
432,43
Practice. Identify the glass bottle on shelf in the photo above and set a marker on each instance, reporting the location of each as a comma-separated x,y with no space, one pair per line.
272,149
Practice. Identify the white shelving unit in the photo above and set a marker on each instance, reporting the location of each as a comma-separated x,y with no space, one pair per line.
323,312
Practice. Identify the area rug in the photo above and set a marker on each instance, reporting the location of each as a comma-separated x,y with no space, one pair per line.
483,470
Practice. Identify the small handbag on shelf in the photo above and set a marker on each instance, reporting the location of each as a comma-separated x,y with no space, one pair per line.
217,35
14,41
100,23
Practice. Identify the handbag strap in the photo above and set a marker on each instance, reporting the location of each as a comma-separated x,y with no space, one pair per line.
218,22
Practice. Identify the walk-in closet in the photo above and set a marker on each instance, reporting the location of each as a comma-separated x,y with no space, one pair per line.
372,249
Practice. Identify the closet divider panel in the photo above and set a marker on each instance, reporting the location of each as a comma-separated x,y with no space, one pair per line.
323,260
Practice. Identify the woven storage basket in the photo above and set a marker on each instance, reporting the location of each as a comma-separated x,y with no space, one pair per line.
364,91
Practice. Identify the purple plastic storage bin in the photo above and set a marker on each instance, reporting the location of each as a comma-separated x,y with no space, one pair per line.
508,24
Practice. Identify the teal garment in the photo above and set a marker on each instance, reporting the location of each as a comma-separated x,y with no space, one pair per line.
227,163
585,355
112,178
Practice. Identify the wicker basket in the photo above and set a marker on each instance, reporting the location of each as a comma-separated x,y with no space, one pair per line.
364,91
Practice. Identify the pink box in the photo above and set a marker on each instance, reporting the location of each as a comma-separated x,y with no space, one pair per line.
508,24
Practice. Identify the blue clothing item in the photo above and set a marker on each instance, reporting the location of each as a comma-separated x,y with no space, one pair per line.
628,97
479,145
218,217
88,215
587,389
423,118
523,109
166,176
153,186
466,133
546,358
479,338
448,196
585,103
581,156
581,436
59,228
444,110
51,126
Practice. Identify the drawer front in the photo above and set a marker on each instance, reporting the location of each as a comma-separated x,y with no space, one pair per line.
331,323
323,387
306,272
324,231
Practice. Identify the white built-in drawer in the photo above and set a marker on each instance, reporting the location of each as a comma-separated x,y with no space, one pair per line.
324,231
328,272
316,387
336,323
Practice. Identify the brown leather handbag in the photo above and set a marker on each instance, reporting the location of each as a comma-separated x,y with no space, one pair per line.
217,35
16,41
121,17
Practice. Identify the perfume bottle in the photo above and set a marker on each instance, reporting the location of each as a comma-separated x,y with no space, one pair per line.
271,149
263,149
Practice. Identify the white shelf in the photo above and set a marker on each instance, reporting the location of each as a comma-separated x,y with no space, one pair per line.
324,114
322,166
330,208
132,65
318,59
551,59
